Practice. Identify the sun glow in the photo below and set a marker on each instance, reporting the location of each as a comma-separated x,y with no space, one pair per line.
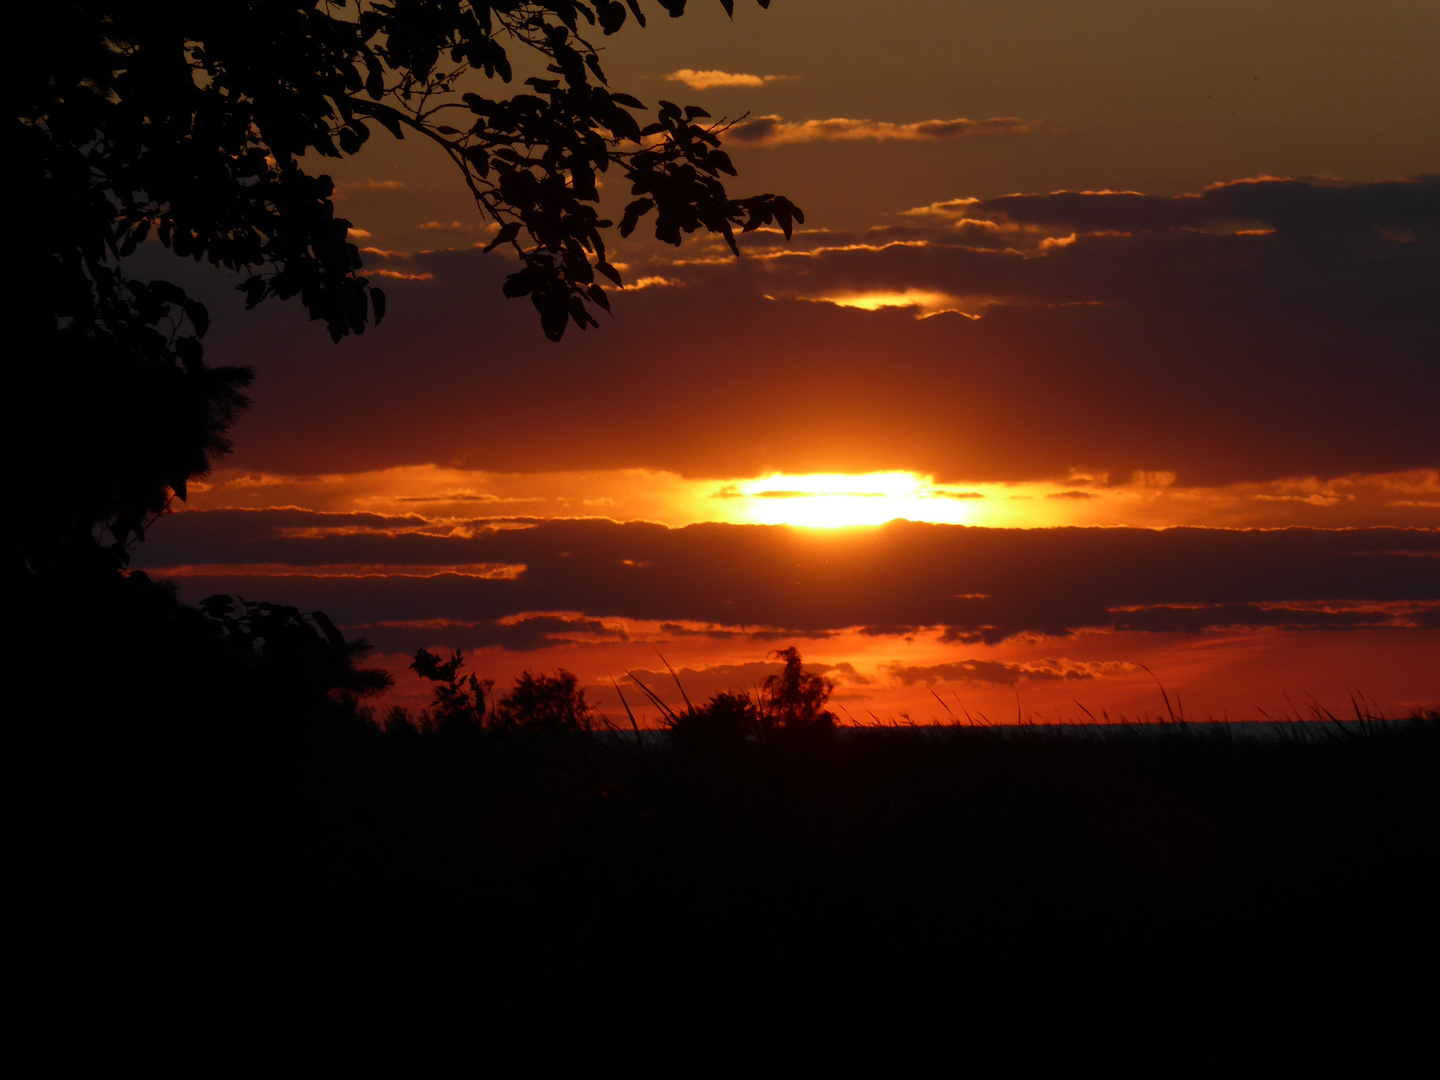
446,502
835,500
925,300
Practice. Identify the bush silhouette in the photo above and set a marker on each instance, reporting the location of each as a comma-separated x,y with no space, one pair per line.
792,700
548,704
729,715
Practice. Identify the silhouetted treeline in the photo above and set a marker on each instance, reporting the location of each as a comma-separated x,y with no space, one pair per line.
793,700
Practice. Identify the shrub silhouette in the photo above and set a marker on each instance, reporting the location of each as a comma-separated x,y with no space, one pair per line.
792,700
729,715
459,701
551,704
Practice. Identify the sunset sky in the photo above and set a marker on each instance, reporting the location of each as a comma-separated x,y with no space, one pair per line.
1110,346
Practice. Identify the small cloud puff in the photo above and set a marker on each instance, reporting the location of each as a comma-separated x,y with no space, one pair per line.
710,80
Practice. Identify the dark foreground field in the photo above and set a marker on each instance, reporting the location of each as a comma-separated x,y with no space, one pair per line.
1170,900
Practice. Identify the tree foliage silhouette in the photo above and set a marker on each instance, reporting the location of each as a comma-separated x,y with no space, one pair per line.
301,657
459,701
795,699
552,704
188,123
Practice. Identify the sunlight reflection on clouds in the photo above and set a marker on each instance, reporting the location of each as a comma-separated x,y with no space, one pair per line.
437,499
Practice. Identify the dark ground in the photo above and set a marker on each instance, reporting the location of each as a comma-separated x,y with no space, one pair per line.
1161,900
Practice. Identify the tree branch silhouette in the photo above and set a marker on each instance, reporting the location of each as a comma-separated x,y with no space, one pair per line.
195,125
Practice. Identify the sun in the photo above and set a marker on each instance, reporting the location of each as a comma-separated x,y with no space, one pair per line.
837,500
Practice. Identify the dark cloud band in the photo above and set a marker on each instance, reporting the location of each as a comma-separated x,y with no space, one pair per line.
980,585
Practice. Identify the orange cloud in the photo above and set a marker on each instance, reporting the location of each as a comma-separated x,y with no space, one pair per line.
776,131
653,282
949,208
925,301
710,80
401,276
371,184
445,226
441,500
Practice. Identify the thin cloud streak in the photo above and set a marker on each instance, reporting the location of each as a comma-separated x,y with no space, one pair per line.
776,131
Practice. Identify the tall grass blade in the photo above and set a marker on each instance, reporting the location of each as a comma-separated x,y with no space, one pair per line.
683,696
639,743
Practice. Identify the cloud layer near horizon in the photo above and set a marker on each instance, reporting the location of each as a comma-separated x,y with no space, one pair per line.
976,586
